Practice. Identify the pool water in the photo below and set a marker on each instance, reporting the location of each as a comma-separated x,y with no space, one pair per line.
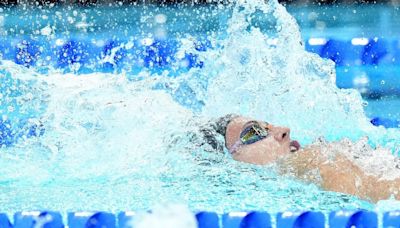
97,112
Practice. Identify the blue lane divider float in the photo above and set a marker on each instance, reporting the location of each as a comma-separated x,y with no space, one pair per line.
207,219
347,219
91,220
388,123
4,221
246,219
391,219
254,219
125,219
308,219
38,219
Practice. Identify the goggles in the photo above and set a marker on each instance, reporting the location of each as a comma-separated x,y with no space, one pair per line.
252,133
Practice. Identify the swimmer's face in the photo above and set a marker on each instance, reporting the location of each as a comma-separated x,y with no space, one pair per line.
273,144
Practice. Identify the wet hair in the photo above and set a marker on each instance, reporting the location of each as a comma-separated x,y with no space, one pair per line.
213,133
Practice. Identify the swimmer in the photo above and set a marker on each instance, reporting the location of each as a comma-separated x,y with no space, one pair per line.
261,143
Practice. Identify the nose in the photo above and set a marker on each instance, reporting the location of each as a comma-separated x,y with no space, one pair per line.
281,134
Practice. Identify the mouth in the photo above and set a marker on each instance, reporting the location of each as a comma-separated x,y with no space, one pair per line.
294,146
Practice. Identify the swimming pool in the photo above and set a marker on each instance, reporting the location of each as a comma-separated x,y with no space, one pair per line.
97,109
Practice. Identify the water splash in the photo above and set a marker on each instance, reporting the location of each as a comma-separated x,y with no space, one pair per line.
113,143
274,79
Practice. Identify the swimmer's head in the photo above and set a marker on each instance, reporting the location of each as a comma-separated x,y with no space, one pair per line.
257,142
213,133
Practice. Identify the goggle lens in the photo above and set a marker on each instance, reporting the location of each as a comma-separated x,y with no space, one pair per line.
252,134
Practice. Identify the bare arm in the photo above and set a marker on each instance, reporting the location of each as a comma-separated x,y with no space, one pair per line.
338,174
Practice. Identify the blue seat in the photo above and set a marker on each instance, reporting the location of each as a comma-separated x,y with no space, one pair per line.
313,47
73,52
375,51
246,219
4,221
387,123
308,219
125,219
159,54
207,219
343,53
347,219
115,50
391,219
27,53
335,51
45,219
91,220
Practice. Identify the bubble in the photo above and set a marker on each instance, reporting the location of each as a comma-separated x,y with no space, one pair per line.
160,18
46,31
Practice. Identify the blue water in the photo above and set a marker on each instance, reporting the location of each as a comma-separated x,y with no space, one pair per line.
97,104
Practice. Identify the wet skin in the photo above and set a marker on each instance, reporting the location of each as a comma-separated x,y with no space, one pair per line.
336,173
